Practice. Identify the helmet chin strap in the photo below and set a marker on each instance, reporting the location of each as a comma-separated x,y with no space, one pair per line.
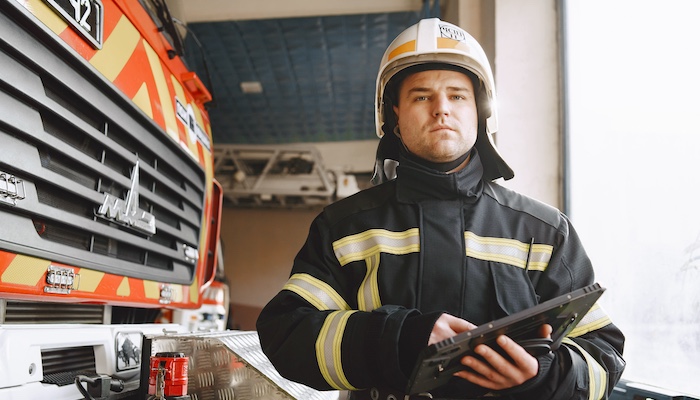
442,167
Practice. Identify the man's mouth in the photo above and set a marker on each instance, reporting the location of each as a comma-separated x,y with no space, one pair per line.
442,128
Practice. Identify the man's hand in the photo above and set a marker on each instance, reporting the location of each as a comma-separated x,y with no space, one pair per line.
494,371
447,326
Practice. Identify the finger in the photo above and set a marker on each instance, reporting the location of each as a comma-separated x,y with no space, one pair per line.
546,331
461,325
491,362
480,372
495,371
455,323
478,379
527,365
448,326
498,361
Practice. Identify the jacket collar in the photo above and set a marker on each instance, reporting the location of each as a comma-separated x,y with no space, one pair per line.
415,182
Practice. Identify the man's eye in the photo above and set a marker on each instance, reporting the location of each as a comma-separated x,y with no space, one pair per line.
421,98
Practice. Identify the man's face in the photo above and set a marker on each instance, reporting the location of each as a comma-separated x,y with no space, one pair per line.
437,114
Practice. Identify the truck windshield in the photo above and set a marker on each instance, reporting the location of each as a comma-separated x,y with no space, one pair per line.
160,15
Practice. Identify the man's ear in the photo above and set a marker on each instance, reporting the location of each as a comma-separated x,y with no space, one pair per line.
396,120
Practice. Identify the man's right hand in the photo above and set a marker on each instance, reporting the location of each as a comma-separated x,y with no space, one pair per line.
447,326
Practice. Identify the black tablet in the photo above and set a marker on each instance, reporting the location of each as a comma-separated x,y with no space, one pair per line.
438,362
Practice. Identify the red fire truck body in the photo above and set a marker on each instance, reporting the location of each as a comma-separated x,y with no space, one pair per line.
109,211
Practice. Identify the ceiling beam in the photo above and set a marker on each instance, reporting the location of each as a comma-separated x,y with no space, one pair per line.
231,10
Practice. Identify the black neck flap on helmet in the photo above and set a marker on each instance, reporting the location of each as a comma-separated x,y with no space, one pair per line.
389,148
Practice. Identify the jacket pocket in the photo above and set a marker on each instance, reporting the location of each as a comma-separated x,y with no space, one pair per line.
513,290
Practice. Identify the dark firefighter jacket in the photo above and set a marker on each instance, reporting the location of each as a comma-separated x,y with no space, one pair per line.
378,269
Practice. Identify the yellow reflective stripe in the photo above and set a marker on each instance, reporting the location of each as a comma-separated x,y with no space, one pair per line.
124,289
404,48
315,291
507,251
167,104
143,100
194,288
597,376
90,280
446,43
374,241
151,289
48,16
368,294
328,350
179,94
117,49
595,318
25,270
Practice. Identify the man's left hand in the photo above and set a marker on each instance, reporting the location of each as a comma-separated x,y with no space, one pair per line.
496,372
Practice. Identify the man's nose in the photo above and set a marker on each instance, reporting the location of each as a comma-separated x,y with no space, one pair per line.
441,106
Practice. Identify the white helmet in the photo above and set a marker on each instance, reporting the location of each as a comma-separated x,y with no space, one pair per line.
435,44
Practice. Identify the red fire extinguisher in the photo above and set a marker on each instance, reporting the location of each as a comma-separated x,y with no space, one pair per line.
168,377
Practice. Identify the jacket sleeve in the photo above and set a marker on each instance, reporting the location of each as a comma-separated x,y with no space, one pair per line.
313,333
589,362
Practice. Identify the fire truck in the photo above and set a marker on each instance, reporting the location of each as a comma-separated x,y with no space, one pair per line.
109,211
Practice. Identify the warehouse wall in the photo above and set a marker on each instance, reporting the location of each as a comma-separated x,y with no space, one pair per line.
529,100
259,246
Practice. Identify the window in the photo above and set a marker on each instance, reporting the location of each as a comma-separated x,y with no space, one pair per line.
633,77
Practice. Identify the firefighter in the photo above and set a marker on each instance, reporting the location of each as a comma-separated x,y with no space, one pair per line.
434,249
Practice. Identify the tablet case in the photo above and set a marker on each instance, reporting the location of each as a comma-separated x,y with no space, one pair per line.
438,362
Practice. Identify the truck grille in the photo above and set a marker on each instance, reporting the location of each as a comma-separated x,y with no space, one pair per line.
25,312
72,139
60,366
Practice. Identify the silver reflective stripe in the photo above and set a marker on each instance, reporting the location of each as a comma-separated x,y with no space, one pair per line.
595,318
508,251
328,350
597,376
320,294
374,241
